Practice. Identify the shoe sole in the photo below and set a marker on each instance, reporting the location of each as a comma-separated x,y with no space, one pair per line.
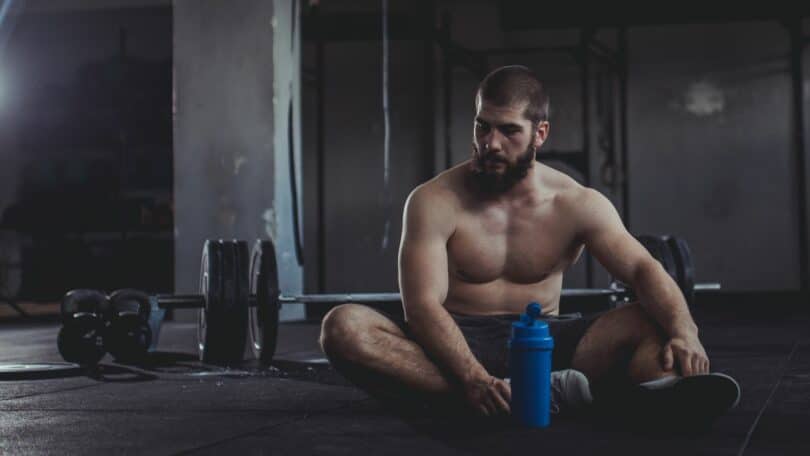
695,400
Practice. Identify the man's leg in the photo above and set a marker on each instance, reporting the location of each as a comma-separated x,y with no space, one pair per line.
373,352
624,344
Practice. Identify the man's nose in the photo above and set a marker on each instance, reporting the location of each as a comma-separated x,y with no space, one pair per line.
492,142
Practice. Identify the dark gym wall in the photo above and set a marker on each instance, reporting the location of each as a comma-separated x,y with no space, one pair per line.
233,68
86,145
354,160
45,58
805,58
711,150
356,259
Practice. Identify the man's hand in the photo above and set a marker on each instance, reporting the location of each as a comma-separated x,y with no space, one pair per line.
489,396
689,353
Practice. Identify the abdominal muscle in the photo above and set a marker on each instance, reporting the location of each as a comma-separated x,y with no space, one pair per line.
501,296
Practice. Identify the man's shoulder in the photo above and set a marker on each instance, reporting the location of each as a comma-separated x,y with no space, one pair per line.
433,206
442,191
559,182
564,189
586,208
576,198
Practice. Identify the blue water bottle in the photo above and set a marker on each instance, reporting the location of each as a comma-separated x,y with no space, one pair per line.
530,365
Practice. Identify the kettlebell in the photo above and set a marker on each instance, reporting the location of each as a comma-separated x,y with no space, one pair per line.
80,339
127,336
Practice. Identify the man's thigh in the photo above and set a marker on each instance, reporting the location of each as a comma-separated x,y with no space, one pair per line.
568,333
609,341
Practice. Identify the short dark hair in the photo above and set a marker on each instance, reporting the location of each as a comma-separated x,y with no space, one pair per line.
512,85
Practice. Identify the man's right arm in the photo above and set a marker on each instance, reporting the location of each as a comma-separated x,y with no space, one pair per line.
423,280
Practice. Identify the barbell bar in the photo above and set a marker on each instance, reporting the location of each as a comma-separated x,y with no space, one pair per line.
238,299
191,301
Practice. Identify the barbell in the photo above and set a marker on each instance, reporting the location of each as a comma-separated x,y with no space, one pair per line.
240,298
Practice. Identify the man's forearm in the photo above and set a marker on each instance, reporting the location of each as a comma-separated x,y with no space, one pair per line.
439,335
664,301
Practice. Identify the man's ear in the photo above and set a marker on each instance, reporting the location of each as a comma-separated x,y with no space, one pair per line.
541,133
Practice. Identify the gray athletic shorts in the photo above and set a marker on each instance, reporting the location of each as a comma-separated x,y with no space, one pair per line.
488,335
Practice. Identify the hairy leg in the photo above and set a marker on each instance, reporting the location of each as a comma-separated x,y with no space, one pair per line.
623,345
373,352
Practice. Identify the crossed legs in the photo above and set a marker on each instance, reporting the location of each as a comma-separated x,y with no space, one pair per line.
623,345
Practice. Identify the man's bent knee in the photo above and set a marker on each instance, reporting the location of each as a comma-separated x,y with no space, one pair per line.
344,329
641,324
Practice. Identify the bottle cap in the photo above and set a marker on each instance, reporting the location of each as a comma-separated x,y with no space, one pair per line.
529,332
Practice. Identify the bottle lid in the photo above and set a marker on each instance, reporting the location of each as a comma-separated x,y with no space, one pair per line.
529,332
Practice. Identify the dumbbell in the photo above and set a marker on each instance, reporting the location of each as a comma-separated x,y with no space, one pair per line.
95,324
80,339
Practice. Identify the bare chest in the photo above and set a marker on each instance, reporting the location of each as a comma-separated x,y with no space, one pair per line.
522,247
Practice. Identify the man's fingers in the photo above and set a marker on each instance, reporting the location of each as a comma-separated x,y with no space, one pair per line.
483,407
506,391
500,401
489,405
689,357
503,388
667,357
696,365
495,398
704,366
686,364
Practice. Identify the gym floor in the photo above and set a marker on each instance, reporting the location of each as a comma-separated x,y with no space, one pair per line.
301,406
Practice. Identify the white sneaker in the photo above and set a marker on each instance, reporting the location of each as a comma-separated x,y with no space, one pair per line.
570,390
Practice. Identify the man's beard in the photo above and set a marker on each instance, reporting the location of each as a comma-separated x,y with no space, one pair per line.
493,182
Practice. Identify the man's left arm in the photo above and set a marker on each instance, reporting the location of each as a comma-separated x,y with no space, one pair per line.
604,235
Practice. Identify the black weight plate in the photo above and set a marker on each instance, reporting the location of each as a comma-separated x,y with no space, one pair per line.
264,316
210,283
685,267
239,311
225,317
218,339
